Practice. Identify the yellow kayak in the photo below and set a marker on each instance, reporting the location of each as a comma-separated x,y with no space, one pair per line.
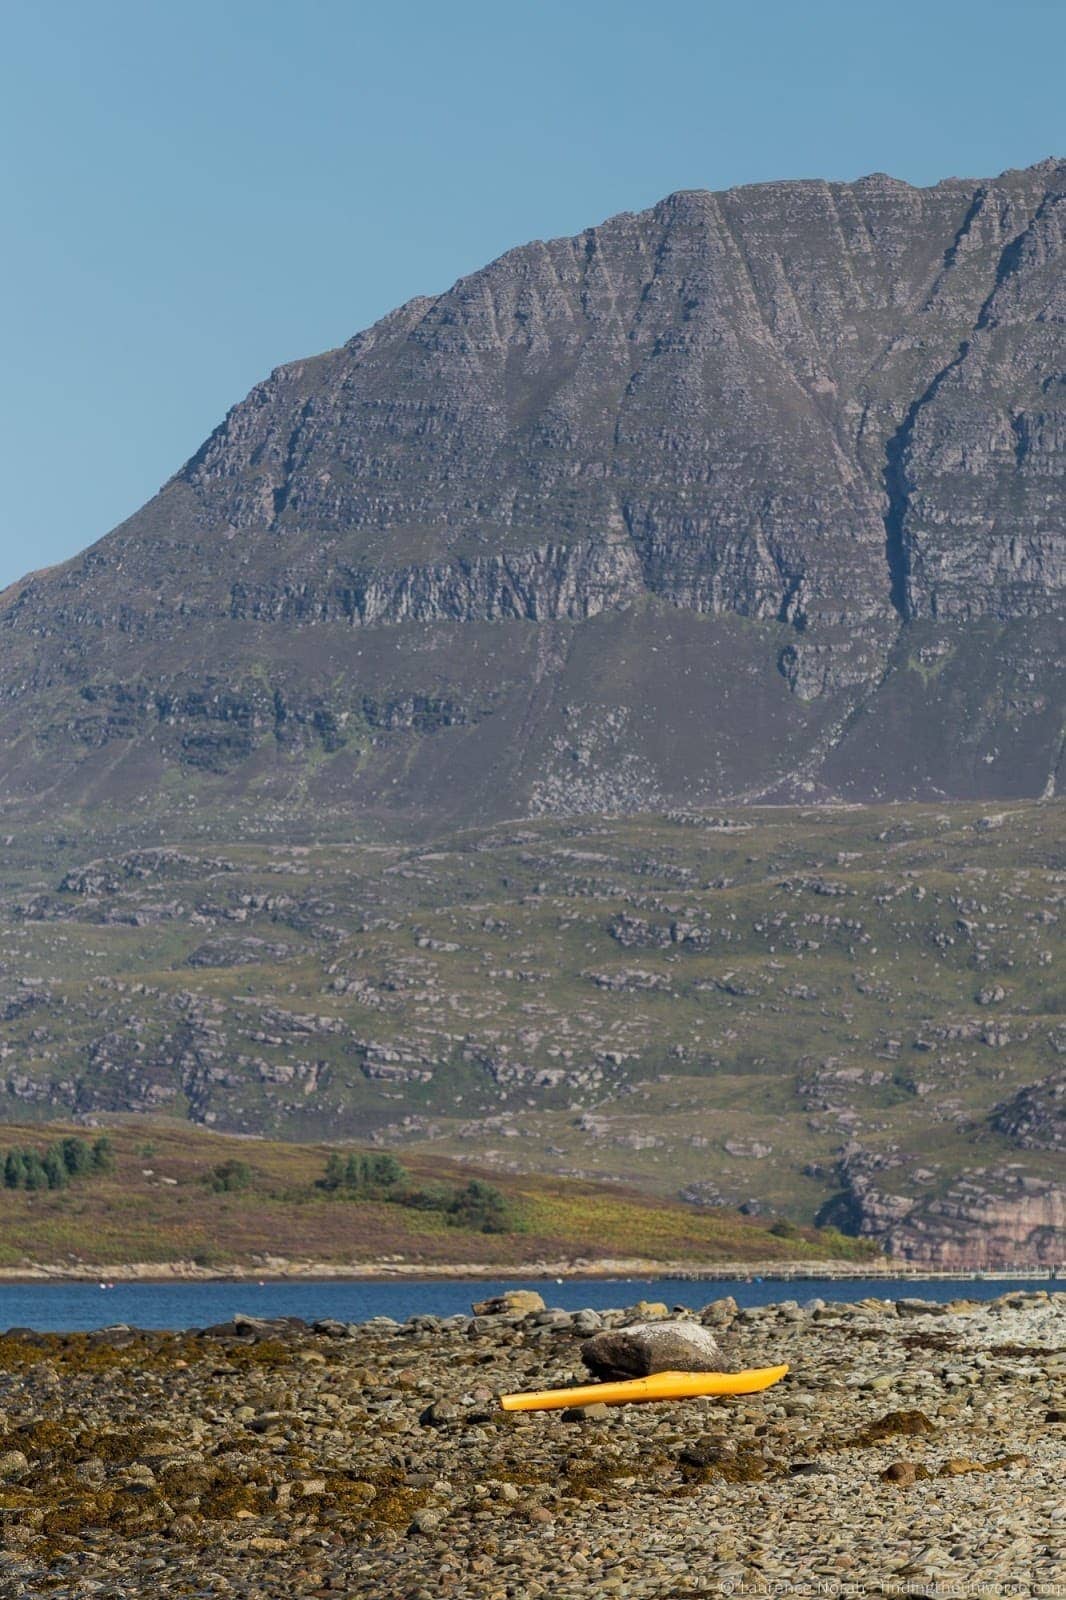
660,1386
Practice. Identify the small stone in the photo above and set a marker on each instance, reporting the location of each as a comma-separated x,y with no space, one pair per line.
719,1313
13,1465
332,1328
651,1308
439,1414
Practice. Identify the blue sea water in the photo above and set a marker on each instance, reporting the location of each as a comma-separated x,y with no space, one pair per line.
58,1307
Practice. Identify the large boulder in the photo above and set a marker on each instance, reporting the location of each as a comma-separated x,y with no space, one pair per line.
648,1347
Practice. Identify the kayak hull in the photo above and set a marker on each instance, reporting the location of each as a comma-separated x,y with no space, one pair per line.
660,1386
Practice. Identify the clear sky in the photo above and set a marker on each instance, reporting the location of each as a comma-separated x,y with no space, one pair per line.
193,191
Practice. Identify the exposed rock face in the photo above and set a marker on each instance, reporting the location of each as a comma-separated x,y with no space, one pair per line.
1035,1118
833,410
989,1218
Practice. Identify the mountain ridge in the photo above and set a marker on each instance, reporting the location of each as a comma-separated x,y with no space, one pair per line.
799,441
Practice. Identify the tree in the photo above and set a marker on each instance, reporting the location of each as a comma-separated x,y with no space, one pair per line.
384,1171
55,1172
14,1170
36,1176
77,1157
480,1206
103,1155
230,1176
335,1171
355,1172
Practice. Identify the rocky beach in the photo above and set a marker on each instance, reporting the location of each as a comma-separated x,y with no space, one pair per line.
913,1448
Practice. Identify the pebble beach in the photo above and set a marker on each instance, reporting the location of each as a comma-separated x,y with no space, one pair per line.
914,1448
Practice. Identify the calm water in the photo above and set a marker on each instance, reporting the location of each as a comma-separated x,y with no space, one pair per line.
62,1306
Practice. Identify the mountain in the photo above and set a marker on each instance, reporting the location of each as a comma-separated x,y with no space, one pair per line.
753,495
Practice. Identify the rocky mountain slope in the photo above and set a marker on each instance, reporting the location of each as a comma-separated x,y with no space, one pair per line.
853,1014
752,494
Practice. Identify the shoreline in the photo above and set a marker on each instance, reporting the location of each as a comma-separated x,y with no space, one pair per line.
913,1448
286,1271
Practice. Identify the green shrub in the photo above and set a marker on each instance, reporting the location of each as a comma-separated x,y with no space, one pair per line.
336,1169
481,1207
379,1176
36,1176
15,1170
55,1171
103,1155
77,1156
229,1176
435,1197
372,1175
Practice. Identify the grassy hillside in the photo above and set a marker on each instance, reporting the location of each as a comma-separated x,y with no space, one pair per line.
713,1004
161,1202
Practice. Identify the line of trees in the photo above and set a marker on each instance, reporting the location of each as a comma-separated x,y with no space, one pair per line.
363,1174
379,1176
53,1168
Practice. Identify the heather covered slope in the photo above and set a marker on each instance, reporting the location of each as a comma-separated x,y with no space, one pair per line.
752,494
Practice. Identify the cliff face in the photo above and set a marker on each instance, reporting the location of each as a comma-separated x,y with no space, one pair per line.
999,1217
783,464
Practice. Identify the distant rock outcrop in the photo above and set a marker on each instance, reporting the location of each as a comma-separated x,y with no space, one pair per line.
989,1217
1035,1117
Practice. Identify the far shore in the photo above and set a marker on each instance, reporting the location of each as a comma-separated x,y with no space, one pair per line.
276,1270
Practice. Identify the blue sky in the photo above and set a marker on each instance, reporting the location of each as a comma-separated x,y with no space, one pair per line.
193,192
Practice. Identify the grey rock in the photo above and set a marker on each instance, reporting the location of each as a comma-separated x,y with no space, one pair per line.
440,1414
332,1328
647,1347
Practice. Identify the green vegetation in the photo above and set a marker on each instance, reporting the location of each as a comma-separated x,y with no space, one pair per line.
477,1205
229,1177
225,1202
367,1175
57,1165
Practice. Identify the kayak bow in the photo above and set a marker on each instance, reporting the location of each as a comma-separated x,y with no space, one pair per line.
660,1386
